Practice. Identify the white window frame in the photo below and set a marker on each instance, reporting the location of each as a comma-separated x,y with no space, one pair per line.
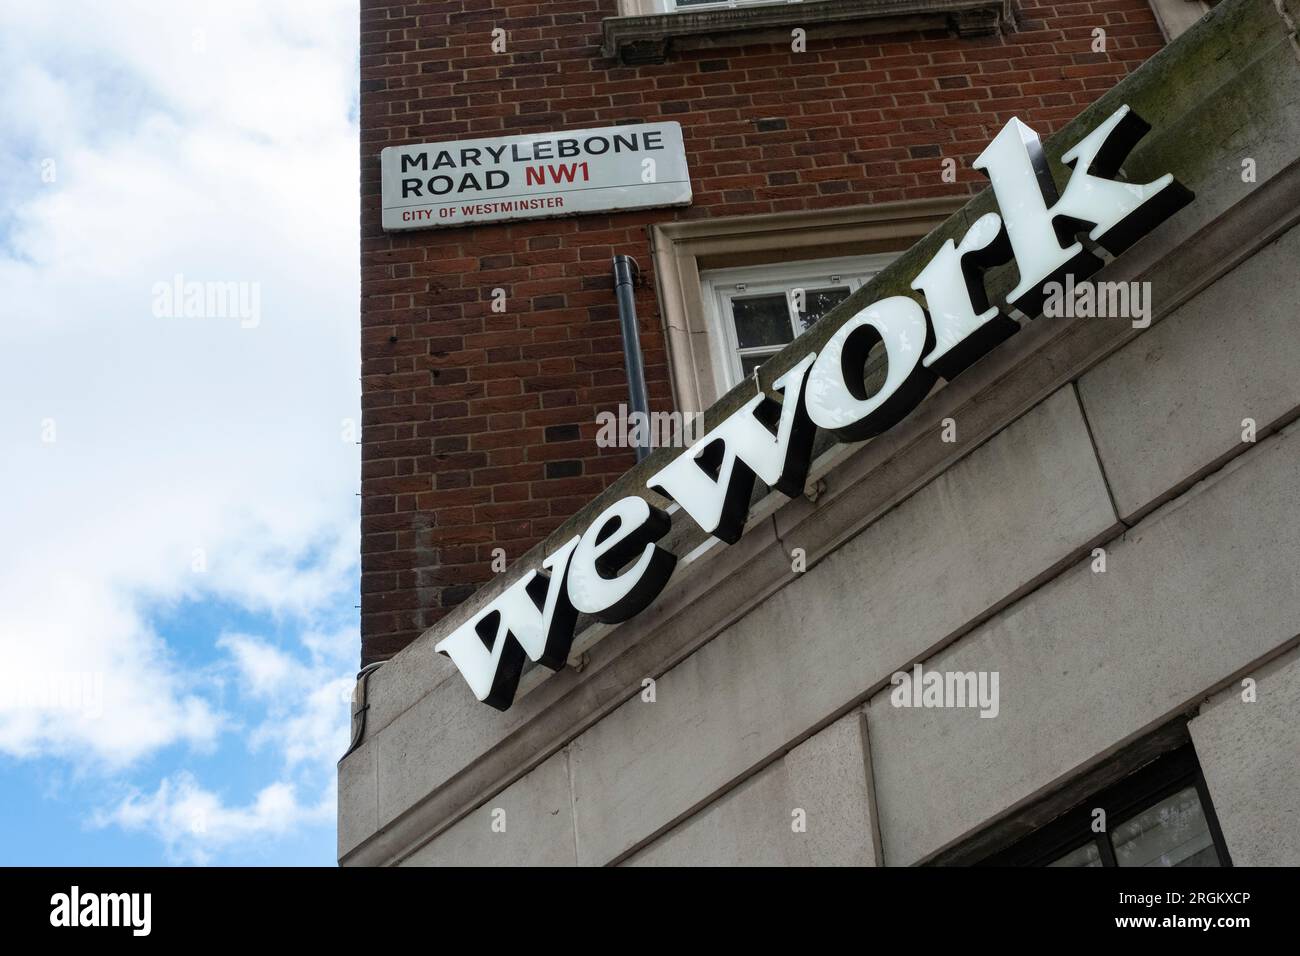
645,31
721,286
647,7
683,249
673,6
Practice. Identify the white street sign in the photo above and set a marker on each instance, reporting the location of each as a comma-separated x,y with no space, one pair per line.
533,177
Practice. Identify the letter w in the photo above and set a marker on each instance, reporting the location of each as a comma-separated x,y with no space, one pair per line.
564,173
714,478
532,616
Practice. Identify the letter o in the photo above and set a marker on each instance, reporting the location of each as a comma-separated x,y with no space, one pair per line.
836,395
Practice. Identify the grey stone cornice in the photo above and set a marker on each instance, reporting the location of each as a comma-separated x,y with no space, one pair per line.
650,38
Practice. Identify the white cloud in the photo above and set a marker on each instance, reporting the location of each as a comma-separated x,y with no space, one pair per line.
192,459
307,702
315,733
194,823
134,700
305,720
263,668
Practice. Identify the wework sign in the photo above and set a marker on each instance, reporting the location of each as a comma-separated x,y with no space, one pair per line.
614,568
534,176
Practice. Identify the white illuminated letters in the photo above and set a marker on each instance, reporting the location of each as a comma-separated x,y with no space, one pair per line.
533,616
965,325
714,478
837,394
614,568
624,531
1119,212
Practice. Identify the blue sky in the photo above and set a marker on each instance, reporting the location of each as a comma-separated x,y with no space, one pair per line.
178,631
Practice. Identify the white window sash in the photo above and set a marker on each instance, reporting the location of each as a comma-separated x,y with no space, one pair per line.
675,6
719,288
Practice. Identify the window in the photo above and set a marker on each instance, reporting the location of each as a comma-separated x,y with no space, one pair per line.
757,311
645,31
650,7
851,242
1160,816
1176,16
694,4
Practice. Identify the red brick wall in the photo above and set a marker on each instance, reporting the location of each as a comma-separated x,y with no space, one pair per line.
479,427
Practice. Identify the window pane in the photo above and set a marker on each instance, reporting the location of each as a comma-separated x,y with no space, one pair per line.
1171,833
817,302
762,320
1086,855
750,362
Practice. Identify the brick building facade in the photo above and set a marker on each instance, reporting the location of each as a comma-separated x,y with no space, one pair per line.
1087,522
479,426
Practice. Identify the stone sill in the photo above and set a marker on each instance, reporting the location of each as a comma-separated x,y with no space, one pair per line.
650,38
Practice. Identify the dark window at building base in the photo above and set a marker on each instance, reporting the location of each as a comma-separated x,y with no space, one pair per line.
1159,816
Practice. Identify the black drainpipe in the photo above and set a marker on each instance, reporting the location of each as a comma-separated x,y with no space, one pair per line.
625,273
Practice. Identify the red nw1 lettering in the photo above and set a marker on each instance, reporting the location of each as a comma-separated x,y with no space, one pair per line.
563,173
